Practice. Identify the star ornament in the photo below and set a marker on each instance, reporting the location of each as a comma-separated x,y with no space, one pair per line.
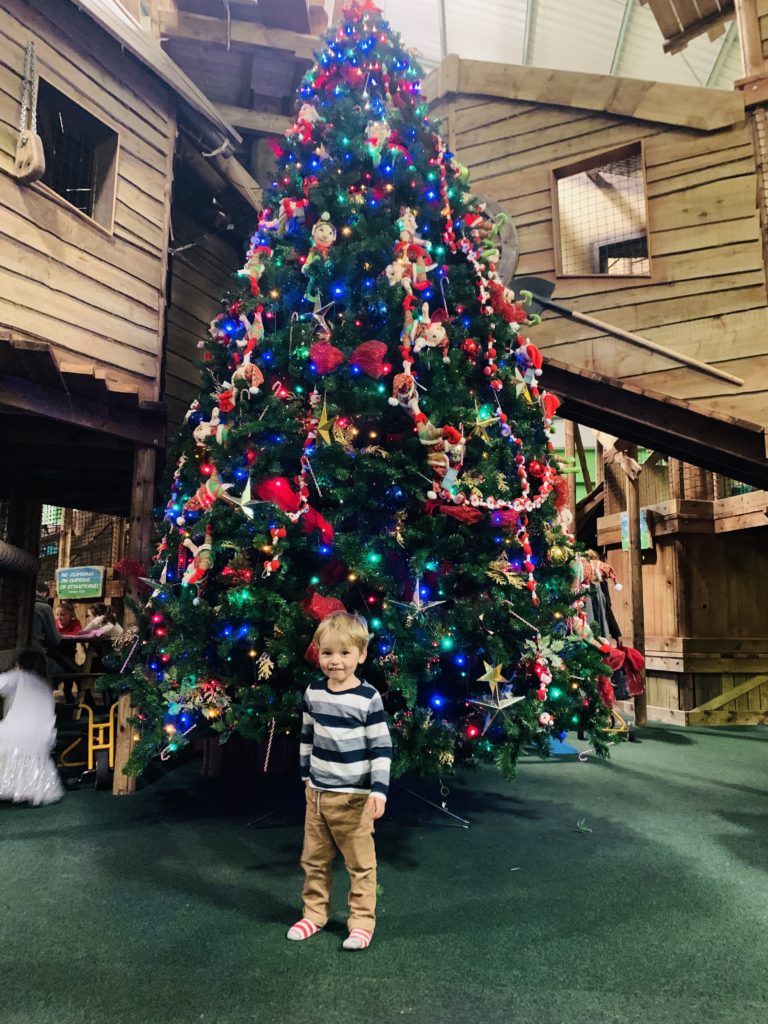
319,316
325,425
497,705
493,677
481,425
416,606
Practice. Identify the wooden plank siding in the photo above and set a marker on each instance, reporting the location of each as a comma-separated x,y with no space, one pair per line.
707,294
90,292
199,277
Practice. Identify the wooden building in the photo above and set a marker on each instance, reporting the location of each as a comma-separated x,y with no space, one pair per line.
643,205
85,276
527,133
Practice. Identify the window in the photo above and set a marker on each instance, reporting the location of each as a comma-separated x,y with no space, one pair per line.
601,215
80,154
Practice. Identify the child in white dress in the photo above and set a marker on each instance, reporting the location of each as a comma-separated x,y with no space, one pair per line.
28,734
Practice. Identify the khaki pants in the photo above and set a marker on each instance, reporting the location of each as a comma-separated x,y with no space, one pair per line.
339,821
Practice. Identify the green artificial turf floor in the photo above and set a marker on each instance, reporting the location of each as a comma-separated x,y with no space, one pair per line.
171,906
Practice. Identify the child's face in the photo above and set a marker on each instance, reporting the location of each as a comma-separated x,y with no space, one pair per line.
339,659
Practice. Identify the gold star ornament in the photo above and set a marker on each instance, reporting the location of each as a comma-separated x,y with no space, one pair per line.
492,676
325,425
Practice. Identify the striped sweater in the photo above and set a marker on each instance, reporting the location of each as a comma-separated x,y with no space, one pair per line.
345,744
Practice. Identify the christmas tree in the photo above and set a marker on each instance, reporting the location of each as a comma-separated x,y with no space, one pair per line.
372,433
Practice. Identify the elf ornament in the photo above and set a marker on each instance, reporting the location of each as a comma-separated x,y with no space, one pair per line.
323,236
202,559
247,379
406,225
431,333
399,272
210,430
256,264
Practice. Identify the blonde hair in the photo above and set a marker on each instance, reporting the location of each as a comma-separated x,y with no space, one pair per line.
349,627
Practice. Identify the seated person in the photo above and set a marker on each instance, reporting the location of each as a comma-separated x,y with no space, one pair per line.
46,640
44,632
102,621
67,621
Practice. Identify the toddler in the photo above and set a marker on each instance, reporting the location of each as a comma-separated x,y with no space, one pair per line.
345,757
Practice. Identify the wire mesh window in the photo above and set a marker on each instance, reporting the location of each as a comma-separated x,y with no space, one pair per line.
94,538
601,216
80,154
50,541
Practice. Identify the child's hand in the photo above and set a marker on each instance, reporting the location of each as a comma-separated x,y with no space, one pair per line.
375,807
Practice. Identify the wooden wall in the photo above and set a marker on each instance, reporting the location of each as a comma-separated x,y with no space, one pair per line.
705,590
707,294
90,292
198,279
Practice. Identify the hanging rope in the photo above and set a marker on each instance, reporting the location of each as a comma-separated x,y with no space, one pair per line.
29,160
29,91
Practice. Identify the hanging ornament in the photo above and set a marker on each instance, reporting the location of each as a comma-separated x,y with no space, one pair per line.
325,424
202,559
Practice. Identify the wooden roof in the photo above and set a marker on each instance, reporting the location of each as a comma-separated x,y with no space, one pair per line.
726,445
69,431
249,64
683,20
682,105
122,27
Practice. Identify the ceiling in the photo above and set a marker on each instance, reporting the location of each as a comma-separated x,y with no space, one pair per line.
618,37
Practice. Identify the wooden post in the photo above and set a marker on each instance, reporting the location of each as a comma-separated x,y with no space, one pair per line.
749,37
582,458
570,457
676,477
599,464
26,516
138,546
632,491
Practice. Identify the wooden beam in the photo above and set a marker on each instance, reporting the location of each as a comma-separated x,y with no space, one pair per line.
570,458
179,25
683,430
582,457
25,395
255,120
219,173
140,534
632,491
682,105
680,40
715,712
749,38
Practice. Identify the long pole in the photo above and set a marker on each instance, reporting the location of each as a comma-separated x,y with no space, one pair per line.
570,455
632,490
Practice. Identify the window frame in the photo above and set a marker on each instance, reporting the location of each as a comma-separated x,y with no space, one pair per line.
106,202
589,163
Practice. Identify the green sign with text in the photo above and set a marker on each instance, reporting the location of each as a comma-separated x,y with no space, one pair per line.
79,582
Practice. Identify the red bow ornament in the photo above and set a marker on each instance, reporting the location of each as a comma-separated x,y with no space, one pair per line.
367,357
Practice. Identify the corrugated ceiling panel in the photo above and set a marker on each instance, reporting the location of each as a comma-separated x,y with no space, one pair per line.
418,24
731,67
490,30
577,36
572,35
